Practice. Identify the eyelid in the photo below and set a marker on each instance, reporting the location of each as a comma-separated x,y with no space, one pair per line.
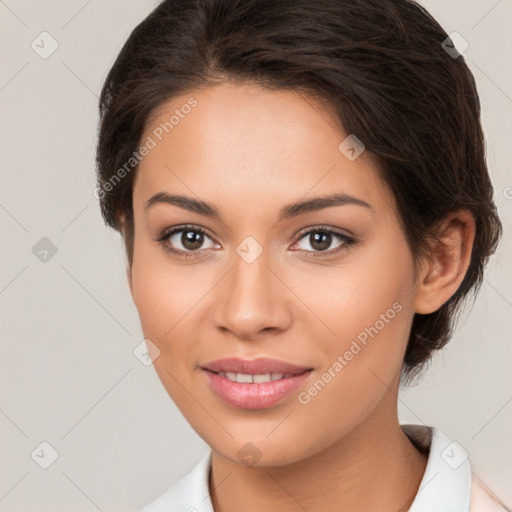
322,227
167,232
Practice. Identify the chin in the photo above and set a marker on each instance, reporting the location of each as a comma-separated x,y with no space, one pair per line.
265,452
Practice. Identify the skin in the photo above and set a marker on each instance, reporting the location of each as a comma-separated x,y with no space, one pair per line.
249,152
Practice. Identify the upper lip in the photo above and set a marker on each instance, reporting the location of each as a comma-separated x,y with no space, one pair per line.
258,366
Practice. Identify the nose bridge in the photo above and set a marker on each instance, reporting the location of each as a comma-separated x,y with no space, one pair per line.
254,299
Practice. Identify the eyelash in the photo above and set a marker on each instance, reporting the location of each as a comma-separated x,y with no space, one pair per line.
167,233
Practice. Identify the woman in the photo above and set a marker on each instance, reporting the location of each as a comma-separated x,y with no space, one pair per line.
304,200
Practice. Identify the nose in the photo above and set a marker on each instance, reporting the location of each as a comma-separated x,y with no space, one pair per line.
253,300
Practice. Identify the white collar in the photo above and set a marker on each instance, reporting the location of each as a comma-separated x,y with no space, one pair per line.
445,486
446,483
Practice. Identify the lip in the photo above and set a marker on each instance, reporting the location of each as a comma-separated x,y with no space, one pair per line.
253,366
261,395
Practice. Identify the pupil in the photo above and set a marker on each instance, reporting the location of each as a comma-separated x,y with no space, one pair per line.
321,241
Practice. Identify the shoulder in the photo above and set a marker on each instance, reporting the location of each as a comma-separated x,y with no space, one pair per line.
482,500
189,494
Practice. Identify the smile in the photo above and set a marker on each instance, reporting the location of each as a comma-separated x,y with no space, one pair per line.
258,378
254,391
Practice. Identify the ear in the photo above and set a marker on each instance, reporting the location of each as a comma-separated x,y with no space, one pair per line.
442,274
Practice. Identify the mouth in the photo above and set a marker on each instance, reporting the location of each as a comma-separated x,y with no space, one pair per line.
260,366
254,384
256,378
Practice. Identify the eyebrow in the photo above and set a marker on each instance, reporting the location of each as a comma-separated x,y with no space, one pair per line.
288,211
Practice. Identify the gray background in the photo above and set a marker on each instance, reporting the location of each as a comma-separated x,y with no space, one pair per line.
68,373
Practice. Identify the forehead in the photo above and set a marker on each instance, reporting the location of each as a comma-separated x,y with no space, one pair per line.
254,144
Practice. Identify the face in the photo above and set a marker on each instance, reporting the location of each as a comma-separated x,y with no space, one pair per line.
231,269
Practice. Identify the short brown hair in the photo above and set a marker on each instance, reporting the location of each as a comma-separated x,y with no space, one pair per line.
379,65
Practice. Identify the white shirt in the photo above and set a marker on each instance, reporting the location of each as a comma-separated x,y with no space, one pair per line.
448,484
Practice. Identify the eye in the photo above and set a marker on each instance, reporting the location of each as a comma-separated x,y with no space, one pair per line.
320,239
185,240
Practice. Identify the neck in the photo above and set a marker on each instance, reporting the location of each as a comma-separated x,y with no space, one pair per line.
375,467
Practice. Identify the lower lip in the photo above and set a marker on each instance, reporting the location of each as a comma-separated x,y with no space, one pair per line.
261,395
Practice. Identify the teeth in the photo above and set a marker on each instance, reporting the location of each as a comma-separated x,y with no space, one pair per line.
248,378
265,377
243,377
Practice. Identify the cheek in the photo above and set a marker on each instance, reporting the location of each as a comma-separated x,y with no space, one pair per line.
370,312
368,304
159,293
165,301
376,279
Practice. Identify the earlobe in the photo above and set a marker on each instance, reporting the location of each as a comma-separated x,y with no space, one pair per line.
450,256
